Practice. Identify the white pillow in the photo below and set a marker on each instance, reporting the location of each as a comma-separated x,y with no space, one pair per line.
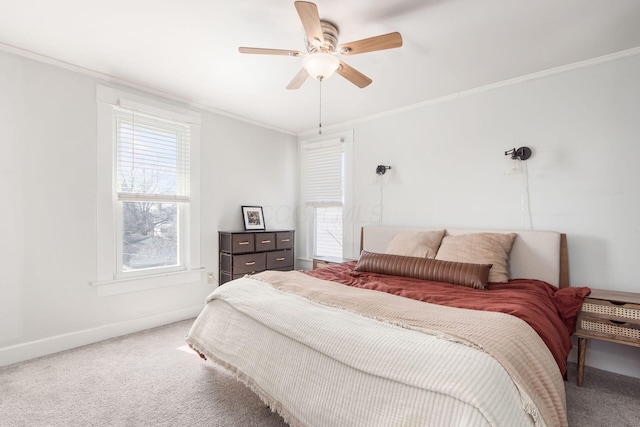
422,244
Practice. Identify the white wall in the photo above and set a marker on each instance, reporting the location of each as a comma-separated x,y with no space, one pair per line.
48,211
448,170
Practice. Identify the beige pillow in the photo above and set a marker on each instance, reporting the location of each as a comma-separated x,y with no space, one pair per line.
421,244
480,248
470,275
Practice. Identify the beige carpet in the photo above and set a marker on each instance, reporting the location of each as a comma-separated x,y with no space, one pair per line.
148,379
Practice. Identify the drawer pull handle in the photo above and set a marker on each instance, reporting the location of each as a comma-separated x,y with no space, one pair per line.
243,243
617,322
266,241
279,259
285,240
249,263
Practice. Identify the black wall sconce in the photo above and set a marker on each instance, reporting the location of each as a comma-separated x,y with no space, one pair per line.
522,153
381,169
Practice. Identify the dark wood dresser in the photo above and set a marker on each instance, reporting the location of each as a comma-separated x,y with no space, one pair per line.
248,252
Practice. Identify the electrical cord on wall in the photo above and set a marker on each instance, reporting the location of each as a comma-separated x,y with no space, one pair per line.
526,206
519,165
380,171
381,178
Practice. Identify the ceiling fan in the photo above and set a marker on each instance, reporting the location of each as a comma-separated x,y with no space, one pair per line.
321,39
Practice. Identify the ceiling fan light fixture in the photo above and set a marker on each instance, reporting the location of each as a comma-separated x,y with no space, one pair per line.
320,65
321,40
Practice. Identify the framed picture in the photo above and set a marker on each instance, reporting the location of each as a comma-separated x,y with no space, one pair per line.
253,218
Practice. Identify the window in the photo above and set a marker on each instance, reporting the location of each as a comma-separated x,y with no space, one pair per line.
324,183
152,191
148,193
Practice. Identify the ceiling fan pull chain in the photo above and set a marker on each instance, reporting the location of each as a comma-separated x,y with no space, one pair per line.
320,109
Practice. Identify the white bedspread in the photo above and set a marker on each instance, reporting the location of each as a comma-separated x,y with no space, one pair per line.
326,366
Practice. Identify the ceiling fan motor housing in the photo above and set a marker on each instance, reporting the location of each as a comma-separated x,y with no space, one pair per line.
330,45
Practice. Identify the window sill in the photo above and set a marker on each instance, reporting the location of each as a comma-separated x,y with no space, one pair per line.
107,288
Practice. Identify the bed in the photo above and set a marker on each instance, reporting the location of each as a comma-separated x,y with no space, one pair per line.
399,339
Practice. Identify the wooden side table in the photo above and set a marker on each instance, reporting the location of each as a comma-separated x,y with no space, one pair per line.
326,261
609,316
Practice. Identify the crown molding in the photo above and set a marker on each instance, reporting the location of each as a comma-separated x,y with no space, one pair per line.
470,92
133,85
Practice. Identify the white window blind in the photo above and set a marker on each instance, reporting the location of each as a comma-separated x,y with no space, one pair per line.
323,178
153,157
323,171
328,231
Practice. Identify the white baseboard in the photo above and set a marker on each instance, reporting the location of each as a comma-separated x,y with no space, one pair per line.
42,347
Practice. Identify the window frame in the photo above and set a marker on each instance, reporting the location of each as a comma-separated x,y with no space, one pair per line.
130,115
110,280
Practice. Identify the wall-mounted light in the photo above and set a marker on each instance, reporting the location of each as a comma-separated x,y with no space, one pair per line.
381,169
522,153
519,155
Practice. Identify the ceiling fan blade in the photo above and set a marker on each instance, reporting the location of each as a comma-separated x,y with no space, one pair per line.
261,51
298,80
386,41
308,13
353,75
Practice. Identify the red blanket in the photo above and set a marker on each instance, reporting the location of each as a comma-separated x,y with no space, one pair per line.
550,311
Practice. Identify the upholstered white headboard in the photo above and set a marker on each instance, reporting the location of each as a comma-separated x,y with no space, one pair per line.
535,254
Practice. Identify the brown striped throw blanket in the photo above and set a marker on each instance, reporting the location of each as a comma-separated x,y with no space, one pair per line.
325,354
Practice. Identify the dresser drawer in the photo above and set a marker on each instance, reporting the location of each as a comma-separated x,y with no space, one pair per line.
265,242
243,243
249,263
237,243
611,310
224,277
609,320
611,330
227,277
284,240
279,259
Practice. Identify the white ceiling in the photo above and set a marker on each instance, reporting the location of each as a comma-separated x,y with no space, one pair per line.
189,48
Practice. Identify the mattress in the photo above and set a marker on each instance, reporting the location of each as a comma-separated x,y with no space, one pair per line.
324,354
